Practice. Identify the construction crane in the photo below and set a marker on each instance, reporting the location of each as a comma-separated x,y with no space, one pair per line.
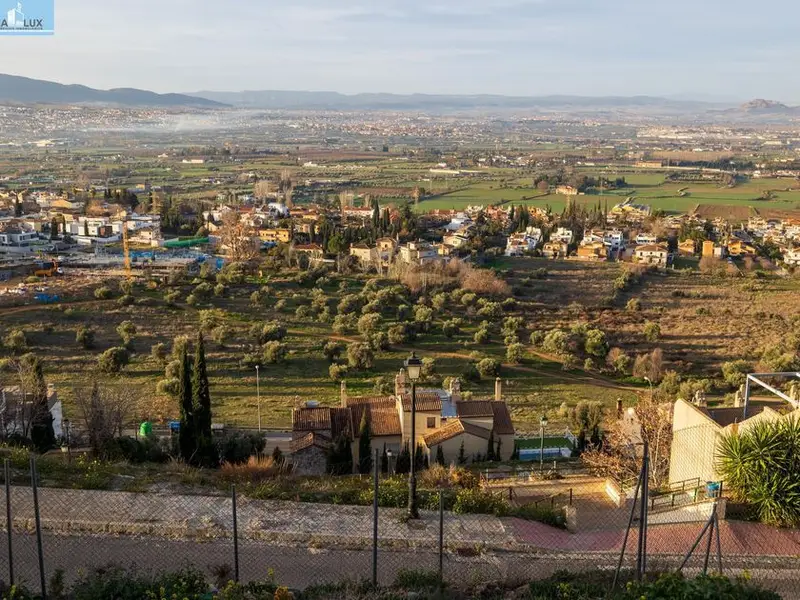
126,250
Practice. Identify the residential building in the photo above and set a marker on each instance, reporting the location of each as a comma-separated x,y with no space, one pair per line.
629,211
17,412
443,419
713,250
652,254
418,253
520,243
645,239
738,248
567,190
364,253
562,234
792,257
592,251
697,431
555,250
275,235
687,248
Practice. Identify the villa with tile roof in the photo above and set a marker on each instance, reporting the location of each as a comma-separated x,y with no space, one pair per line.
443,420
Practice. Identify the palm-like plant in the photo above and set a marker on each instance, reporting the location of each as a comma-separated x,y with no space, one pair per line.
761,466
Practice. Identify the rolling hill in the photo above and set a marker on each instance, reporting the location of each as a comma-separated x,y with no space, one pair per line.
22,90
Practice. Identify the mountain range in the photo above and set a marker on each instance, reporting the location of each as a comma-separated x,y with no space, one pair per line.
22,90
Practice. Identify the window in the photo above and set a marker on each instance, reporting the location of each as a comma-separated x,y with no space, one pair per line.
431,422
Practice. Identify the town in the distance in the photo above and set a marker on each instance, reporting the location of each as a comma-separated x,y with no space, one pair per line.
429,339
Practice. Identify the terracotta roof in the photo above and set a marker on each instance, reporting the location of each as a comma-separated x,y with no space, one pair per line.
426,402
381,415
502,419
475,408
455,428
308,440
335,420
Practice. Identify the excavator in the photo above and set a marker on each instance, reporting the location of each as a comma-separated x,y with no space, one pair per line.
48,269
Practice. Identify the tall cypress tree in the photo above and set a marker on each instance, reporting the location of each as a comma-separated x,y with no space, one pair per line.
187,439
364,446
42,434
201,406
490,447
440,455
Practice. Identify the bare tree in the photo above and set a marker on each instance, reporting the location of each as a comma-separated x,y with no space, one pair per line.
621,453
104,412
238,238
262,189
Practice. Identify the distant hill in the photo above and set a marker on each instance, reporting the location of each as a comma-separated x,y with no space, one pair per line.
273,99
22,90
765,108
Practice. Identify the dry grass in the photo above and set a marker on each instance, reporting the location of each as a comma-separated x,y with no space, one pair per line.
255,470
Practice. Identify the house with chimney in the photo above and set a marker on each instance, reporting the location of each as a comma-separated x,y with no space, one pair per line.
443,419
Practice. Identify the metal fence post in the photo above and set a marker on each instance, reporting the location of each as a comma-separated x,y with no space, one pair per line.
235,534
9,522
441,538
375,520
39,549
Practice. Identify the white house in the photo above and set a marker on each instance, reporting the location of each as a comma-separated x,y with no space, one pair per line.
646,239
652,254
562,235
792,257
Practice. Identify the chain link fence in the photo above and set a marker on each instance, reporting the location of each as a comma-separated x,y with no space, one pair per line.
229,536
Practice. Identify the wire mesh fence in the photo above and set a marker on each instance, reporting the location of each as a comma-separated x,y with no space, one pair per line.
230,536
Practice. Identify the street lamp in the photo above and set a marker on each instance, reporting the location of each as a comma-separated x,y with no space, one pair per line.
413,367
389,462
258,395
650,381
542,425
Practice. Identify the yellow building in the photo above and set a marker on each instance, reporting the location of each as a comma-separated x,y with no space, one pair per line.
282,235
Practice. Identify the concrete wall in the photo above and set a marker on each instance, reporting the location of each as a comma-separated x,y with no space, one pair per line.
694,442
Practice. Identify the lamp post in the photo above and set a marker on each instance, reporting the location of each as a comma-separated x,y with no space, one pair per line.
258,395
66,437
542,425
650,382
389,463
413,367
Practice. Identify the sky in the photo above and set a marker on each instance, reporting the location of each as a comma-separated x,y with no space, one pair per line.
706,49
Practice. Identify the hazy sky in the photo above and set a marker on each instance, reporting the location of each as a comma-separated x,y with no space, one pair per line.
721,48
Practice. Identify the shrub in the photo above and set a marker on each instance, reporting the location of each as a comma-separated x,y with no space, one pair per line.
219,290
102,293
515,353
269,332
398,334
85,337
481,336
651,331
113,360
169,387
192,300
337,372
595,344
452,327
368,323
171,298
15,340
633,305
477,501
492,310
302,312
360,356
158,352
556,342
618,360
735,372
488,367
275,352
379,341
332,350
237,448
537,337
423,316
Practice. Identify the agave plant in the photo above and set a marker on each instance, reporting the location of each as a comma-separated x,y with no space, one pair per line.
761,466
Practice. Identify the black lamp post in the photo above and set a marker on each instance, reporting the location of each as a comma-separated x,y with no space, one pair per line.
413,367
542,425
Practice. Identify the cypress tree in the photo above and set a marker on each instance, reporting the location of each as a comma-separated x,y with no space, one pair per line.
187,439
497,455
490,447
403,461
384,461
440,455
420,459
462,457
42,434
364,447
201,405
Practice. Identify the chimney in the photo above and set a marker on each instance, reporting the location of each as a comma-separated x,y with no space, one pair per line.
455,390
401,383
498,389
619,408
343,393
